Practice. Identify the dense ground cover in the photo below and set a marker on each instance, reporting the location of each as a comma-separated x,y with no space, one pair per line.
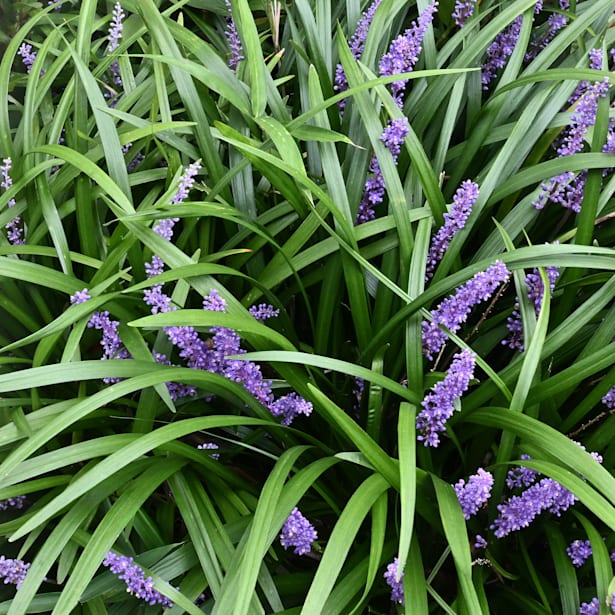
307,307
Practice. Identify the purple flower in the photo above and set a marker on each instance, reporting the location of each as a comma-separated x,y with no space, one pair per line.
555,22
404,51
186,182
521,476
13,571
233,39
590,608
454,310
210,446
500,50
520,510
609,399
289,406
395,134
356,43
298,532
395,581
473,495
393,137
81,296
480,542
464,9
16,502
264,311
454,221
439,403
116,27
137,583
535,292
567,188
111,343
27,55
579,551
58,4
14,227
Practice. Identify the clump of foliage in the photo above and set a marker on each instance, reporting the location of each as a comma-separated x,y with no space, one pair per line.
307,307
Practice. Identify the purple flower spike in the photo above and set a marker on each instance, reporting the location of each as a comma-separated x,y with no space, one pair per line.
609,399
356,43
535,291
81,296
137,583
590,608
439,403
17,502
186,182
395,581
454,221
454,310
27,55
500,50
473,495
290,406
13,570
232,37
520,510
264,311
464,9
14,227
521,476
404,51
298,532
116,27
579,551
480,542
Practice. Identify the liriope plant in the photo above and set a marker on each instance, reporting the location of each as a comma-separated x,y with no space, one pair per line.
307,308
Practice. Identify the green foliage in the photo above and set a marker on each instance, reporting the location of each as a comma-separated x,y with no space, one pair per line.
113,464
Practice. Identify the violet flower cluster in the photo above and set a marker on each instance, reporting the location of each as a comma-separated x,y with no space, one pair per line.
555,22
404,51
395,581
520,510
137,583
373,192
590,608
13,571
463,201
81,296
14,227
454,310
475,494
402,56
579,551
463,11
500,50
114,37
356,44
505,42
17,502
233,39
116,27
535,292
298,532
567,188
27,56
545,495
439,403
